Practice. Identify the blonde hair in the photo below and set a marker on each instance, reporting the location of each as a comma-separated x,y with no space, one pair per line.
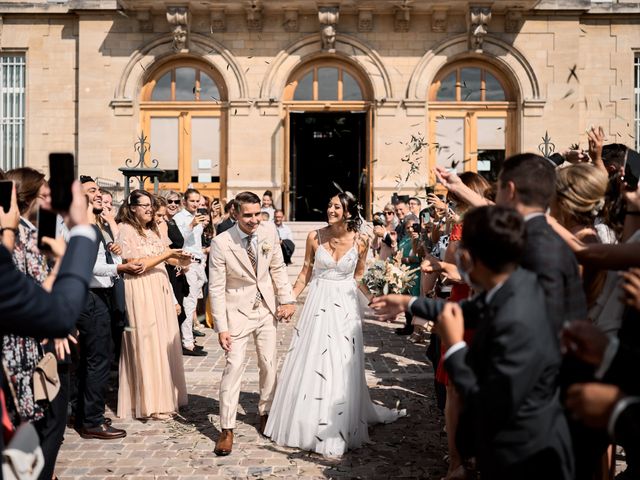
580,191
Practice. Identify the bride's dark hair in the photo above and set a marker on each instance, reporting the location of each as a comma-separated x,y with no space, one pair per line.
351,211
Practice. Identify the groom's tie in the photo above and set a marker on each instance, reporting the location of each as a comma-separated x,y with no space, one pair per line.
254,263
252,254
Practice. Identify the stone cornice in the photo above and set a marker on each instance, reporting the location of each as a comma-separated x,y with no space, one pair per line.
306,7
349,7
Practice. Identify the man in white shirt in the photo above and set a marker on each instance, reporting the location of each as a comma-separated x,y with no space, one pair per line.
94,327
283,230
286,236
191,225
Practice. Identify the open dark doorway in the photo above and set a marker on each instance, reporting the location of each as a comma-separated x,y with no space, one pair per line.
328,153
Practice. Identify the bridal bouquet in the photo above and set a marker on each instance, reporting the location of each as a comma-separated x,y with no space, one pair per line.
390,276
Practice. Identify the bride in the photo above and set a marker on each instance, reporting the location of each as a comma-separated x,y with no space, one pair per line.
322,401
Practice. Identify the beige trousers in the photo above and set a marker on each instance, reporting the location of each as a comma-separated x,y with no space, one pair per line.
262,325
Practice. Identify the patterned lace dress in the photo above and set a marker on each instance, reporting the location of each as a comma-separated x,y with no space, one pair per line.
20,355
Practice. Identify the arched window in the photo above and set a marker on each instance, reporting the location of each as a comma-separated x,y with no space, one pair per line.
469,84
472,121
183,115
185,84
326,81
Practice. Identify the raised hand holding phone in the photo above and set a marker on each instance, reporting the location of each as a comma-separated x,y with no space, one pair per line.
9,213
6,189
62,176
47,224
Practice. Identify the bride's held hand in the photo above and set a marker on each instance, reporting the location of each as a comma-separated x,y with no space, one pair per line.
285,312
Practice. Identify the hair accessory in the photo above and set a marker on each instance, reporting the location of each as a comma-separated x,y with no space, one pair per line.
597,207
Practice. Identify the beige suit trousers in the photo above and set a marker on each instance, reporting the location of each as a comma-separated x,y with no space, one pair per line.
262,325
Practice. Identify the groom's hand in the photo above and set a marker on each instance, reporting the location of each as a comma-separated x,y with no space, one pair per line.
285,312
224,339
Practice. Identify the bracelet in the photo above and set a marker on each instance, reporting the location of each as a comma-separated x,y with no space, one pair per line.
14,230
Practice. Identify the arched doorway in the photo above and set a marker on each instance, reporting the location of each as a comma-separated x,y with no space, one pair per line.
184,119
329,124
472,118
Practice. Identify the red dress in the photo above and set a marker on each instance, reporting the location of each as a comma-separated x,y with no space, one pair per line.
459,292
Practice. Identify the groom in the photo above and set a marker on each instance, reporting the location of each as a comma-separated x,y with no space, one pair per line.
245,266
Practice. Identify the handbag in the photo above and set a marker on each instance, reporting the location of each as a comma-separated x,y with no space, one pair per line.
22,459
46,383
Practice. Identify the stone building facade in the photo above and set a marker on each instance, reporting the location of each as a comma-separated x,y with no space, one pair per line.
300,96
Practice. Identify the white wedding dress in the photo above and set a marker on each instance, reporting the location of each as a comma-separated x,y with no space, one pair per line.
322,402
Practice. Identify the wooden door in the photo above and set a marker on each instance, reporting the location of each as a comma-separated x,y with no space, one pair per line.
189,147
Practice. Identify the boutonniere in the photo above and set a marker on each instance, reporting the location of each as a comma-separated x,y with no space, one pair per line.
266,248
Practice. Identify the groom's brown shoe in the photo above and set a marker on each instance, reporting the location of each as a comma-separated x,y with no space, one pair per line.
224,443
263,423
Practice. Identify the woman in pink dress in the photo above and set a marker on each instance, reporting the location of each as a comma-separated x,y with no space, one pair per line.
152,383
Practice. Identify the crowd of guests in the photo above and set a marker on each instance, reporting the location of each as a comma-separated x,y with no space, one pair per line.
141,308
532,283
530,288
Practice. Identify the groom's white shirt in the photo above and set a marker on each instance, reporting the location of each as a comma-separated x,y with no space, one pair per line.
233,284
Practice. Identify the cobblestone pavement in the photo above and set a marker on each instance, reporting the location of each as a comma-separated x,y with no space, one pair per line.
397,374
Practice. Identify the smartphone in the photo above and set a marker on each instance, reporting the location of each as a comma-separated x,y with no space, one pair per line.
426,216
201,211
429,189
416,227
47,223
6,187
62,174
631,170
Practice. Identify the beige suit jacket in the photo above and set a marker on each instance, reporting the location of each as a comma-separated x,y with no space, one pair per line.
233,284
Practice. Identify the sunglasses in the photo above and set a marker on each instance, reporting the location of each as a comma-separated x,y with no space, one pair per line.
175,202
389,213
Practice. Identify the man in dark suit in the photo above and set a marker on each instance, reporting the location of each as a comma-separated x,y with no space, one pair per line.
612,406
402,210
94,327
606,407
527,183
25,308
512,420
230,210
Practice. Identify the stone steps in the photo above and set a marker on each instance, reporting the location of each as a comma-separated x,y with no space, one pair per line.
300,231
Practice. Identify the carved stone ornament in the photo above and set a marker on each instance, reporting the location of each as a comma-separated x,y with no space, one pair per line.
254,18
291,23
479,18
145,21
179,19
512,21
439,21
365,20
402,19
218,20
328,18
